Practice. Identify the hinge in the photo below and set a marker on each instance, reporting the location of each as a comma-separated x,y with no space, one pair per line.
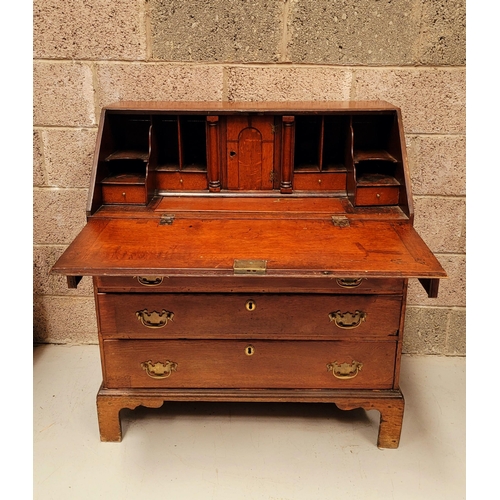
243,266
271,176
340,221
167,219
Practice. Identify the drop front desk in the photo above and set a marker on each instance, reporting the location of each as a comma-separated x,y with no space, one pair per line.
250,252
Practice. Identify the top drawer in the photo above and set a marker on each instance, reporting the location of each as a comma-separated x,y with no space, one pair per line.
249,284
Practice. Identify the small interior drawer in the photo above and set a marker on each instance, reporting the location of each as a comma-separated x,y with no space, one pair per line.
386,195
123,193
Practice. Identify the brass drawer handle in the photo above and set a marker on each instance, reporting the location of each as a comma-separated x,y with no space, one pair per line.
154,319
348,320
159,370
344,371
150,280
349,282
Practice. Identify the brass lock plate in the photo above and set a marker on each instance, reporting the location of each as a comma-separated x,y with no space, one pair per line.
244,266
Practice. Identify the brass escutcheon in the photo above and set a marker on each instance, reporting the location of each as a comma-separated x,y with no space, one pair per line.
249,350
154,319
250,305
344,371
348,320
159,370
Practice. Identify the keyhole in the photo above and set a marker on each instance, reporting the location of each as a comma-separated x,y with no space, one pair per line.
249,350
250,305
232,154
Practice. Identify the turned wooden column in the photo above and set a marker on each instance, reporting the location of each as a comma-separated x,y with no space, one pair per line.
287,154
213,154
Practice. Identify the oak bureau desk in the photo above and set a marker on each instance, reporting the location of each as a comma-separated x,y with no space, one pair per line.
250,252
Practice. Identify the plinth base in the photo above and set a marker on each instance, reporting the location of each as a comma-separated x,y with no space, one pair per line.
390,404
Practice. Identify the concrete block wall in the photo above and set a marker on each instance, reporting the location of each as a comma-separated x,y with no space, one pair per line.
94,52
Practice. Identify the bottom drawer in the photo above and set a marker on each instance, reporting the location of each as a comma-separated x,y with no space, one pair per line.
248,364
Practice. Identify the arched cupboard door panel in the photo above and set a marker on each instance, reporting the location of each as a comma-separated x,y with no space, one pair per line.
250,152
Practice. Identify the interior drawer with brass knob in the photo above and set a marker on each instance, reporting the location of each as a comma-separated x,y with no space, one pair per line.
124,188
249,364
293,316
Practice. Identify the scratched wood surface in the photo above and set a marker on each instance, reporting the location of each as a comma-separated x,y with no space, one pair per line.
297,247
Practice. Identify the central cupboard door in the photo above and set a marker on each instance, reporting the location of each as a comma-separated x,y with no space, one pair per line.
250,152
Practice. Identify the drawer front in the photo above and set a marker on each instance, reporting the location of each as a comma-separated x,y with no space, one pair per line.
231,315
181,180
124,194
329,181
367,196
248,284
248,364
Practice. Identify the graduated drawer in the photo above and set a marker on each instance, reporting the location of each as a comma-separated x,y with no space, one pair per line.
200,315
248,284
249,364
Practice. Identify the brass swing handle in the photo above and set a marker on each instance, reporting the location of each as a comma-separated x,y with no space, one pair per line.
349,282
154,319
150,280
344,371
348,320
159,370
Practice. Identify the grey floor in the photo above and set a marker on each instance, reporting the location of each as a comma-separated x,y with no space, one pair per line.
245,451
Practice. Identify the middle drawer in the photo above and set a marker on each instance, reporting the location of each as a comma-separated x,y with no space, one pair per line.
200,315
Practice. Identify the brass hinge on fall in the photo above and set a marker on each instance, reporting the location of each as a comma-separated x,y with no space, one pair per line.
167,219
340,221
243,266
